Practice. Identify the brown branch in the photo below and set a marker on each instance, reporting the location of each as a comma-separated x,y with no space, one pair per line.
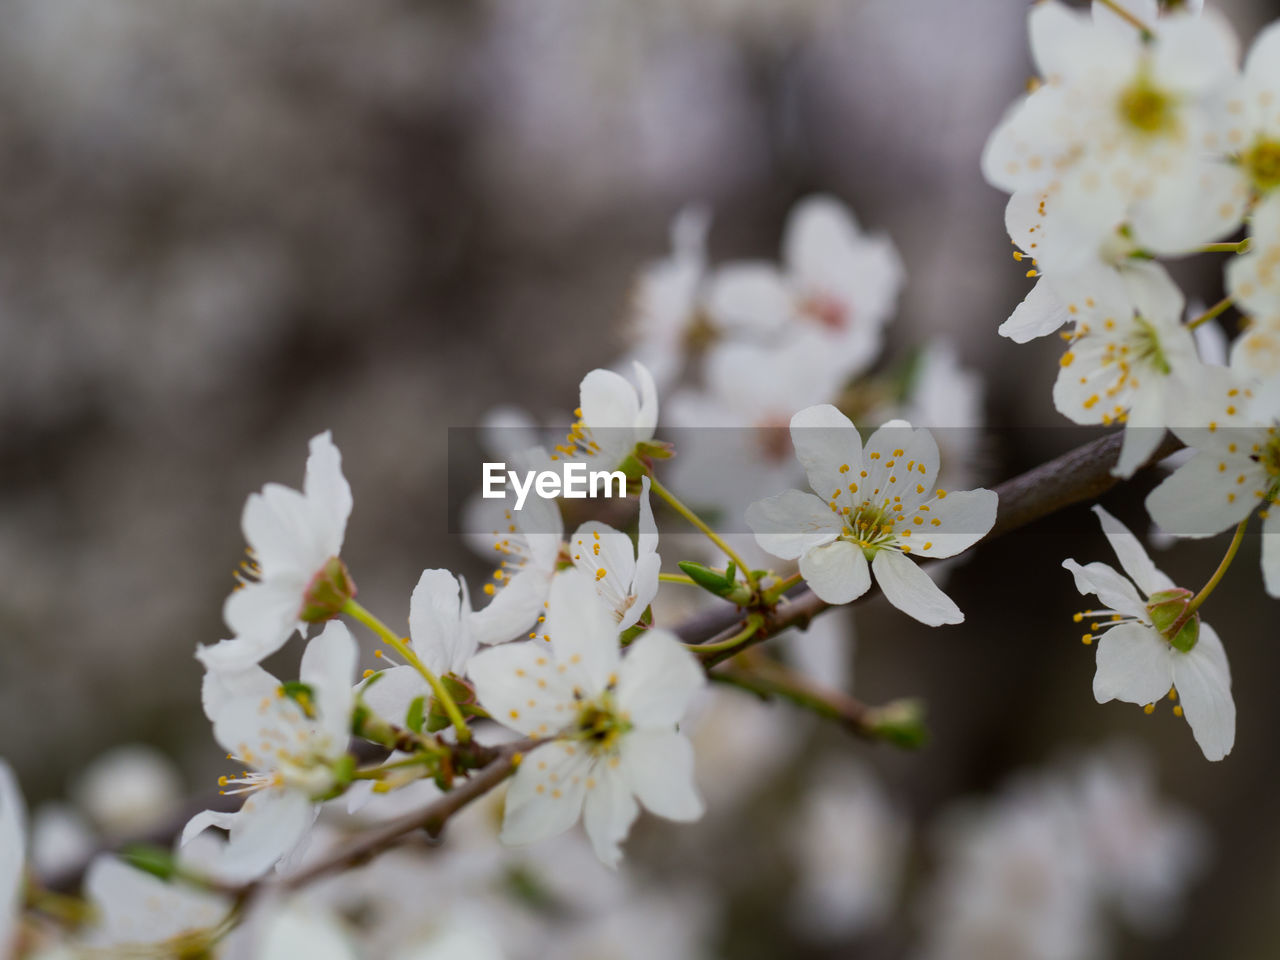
1078,475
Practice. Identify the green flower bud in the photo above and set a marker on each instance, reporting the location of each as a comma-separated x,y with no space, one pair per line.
900,722
327,592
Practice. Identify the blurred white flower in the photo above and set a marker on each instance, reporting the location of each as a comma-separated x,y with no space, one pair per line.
732,435
1253,278
1137,663
135,909
1144,852
289,738
882,507
666,304
128,790
834,279
61,840
295,575
1123,131
612,719
850,845
947,399
1256,351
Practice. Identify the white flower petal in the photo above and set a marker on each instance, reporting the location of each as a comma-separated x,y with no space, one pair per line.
954,523
1132,557
657,679
546,793
643,589
647,532
328,493
329,669
1133,665
1271,551
262,617
837,572
583,630
825,440
389,693
1201,498
752,298
792,522
133,907
522,687
1115,592
514,608
268,827
1041,312
304,930
439,622
659,767
912,591
606,556
608,811
1204,690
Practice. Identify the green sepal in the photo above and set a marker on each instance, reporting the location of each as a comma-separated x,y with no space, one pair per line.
344,769
156,861
416,715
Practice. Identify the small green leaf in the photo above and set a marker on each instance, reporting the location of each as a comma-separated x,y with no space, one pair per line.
417,714
154,860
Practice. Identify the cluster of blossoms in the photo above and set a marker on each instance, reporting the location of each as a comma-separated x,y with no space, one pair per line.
1143,138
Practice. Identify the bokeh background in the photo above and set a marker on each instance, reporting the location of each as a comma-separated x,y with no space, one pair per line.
225,227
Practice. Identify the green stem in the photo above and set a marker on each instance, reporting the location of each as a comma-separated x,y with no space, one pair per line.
388,636
772,595
1218,574
1238,246
754,623
697,521
1217,310
677,578
1128,17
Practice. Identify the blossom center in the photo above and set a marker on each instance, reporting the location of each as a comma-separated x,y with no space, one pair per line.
827,311
1146,109
869,526
1263,163
600,724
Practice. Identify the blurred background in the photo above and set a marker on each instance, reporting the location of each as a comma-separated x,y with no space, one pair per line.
226,227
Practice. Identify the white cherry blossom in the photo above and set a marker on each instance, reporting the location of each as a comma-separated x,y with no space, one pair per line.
137,911
1253,278
613,417
1136,662
626,578
1127,352
128,789
1122,131
834,278
1235,431
871,509
1071,267
290,740
294,538
666,306
1256,351
611,720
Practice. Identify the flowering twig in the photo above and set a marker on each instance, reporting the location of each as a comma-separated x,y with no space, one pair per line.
874,723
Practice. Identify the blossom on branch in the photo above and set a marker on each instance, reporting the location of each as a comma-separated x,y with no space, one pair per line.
871,510
611,720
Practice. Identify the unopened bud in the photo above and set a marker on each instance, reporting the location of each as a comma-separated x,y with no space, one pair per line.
722,583
900,722
327,592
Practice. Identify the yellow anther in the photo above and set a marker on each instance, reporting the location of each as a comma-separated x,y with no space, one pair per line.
1087,639
1177,710
1149,709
